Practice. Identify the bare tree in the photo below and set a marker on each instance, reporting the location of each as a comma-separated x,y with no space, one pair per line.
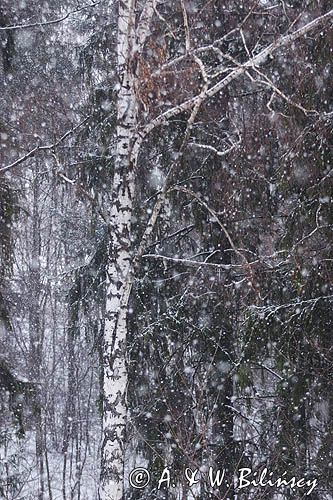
134,29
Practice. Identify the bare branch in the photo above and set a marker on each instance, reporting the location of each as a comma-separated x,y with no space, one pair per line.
188,262
208,147
272,372
37,149
268,82
258,60
212,46
186,26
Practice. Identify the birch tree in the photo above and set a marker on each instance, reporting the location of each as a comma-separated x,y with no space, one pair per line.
138,117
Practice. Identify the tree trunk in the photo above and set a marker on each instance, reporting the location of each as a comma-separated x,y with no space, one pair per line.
119,270
36,336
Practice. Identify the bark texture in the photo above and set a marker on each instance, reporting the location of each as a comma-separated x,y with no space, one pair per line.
119,268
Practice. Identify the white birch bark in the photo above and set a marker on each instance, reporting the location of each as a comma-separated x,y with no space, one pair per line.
119,268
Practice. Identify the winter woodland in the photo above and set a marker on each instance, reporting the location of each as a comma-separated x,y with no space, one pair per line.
166,265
